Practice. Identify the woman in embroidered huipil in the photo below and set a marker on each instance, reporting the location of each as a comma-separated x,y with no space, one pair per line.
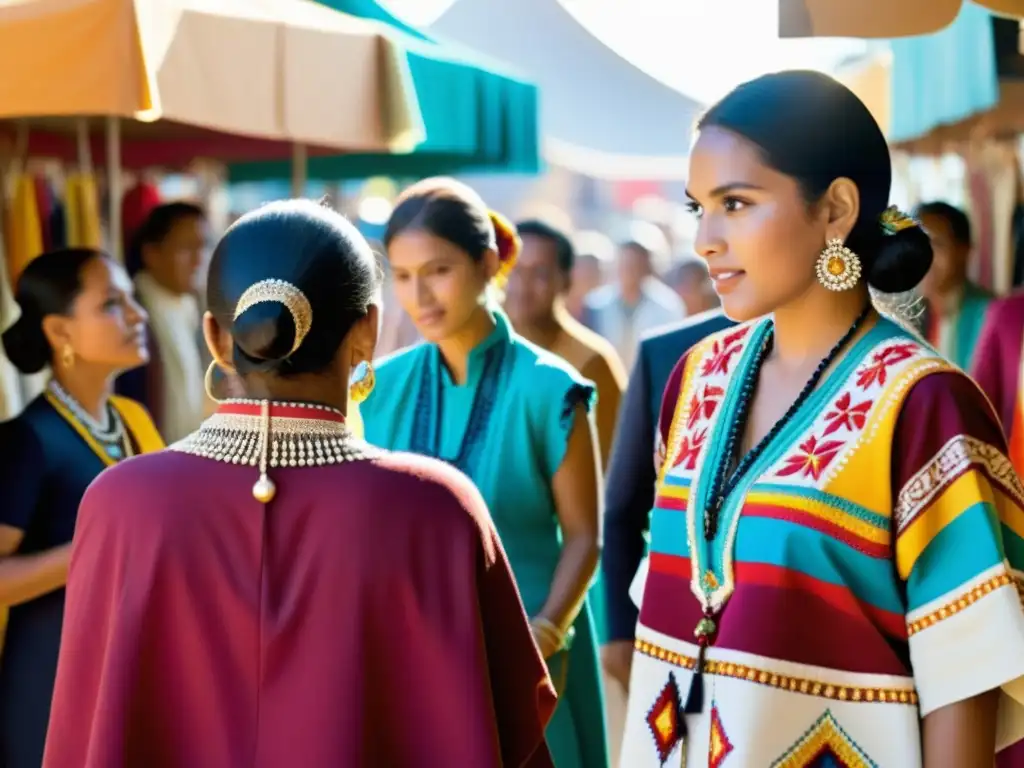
78,316
513,418
834,570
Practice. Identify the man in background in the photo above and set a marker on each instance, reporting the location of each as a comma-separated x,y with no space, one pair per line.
955,307
165,259
637,302
535,304
690,280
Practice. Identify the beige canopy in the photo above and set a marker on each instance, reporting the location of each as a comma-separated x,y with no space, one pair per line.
877,18
271,70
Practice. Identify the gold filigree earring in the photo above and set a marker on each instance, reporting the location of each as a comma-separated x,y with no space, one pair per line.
838,267
67,356
362,381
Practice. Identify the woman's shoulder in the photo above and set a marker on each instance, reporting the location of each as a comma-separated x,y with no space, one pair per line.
543,369
20,435
438,488
401,362
139,422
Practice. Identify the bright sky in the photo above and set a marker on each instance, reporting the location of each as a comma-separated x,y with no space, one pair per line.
700,47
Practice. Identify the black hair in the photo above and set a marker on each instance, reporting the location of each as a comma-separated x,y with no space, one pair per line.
310,247
565,253
49,285
956,219
815,130
155,227
447,209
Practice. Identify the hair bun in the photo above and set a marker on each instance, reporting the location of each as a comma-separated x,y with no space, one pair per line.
901,261
264,334
507,242
25,344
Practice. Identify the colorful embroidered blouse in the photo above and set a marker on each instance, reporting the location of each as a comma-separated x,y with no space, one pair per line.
867,569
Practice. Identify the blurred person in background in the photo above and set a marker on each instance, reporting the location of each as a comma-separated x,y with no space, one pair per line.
165,259
594,253
690,279
78,319
514,418
235,602
588,274
836,529
636,302
999,368
534,301
955,307
397,330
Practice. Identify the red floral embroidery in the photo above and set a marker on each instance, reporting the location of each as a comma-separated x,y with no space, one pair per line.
842,415
689,449
875,372
812,459
704,404
722,353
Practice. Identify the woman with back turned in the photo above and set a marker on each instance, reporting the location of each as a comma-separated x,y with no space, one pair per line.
79,318
511,416
836,543
272,591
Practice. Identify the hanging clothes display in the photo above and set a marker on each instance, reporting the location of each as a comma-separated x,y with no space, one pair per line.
22,228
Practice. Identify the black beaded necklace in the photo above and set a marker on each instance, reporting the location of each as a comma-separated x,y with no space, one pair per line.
724,483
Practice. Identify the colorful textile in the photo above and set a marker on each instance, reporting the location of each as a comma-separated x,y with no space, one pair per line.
507,427
867,570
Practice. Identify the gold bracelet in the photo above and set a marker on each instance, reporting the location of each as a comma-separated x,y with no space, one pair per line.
549,630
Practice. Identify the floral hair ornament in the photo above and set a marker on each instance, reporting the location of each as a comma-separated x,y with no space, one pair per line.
894,220
285,293
508,245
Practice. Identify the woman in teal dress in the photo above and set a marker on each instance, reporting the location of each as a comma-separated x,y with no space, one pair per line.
511,416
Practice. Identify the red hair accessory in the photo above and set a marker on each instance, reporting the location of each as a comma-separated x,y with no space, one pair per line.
508,246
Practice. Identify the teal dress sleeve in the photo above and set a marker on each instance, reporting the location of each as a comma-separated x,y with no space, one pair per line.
558,390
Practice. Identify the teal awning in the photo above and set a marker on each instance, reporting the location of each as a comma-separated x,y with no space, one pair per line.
477,116
943,77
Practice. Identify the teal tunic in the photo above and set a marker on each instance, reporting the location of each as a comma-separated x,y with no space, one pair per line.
971,318
507,427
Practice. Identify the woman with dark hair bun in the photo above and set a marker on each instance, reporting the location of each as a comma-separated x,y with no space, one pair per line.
273,591
837,539
514,418
78,318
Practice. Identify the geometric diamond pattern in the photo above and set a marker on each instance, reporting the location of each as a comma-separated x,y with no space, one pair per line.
719,745
825,745
665,719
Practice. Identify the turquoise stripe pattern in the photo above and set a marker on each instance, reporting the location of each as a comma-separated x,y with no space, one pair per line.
959,552
796,547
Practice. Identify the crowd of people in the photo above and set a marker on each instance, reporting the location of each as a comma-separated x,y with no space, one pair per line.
792,535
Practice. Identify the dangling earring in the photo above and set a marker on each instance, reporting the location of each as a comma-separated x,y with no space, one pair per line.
208,382
362,381
838,267
67,356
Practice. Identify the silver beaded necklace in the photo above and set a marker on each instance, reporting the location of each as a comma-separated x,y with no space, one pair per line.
111,432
